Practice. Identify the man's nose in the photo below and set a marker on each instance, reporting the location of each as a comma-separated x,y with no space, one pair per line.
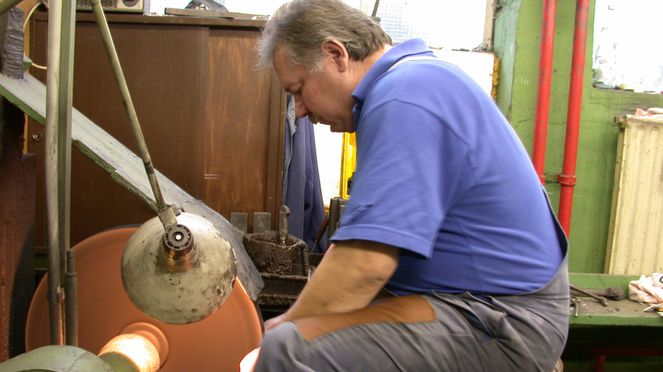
300,109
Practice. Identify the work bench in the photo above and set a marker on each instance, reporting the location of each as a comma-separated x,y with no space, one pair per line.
622,328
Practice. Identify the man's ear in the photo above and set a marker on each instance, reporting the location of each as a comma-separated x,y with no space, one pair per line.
337,52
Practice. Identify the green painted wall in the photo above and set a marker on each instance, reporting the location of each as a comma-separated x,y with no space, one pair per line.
517,37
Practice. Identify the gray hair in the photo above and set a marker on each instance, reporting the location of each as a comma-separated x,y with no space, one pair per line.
302,26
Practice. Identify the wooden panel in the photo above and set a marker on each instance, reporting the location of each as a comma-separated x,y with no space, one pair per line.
162,66
17,182
240,131
276,150
213,123
127,169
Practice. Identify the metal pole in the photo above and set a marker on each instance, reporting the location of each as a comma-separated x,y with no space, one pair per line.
71,300
52,186
375,8
59,95
166,213
5,5
543,96
568,177
65,102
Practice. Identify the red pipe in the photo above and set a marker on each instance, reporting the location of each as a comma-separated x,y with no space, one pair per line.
567,179
543,97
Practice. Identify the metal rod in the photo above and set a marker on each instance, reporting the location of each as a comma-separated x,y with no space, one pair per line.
567,179
5,5
65,102
71,300
375,8
600,299
52,173
133,117
543,96
284,212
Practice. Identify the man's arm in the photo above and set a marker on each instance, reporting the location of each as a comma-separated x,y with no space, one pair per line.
349,276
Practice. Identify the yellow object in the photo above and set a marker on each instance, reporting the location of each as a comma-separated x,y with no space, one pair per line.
348,162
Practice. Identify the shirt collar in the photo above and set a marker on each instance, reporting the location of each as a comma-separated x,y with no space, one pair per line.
393,55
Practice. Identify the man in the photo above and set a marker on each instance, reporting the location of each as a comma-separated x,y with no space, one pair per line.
446,213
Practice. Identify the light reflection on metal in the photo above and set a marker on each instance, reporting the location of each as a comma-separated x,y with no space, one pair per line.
249,361
105,310
184,280
138,350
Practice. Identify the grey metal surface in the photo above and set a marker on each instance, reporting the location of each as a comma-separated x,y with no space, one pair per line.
71,300
261,222
240,220
284,267
56,358
284,212
179,288
65,91
57,165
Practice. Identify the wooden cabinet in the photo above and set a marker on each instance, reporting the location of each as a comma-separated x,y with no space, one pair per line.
213,122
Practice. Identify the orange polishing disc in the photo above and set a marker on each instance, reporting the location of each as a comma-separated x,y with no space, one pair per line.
216,343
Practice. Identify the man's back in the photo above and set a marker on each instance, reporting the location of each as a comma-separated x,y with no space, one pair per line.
441,174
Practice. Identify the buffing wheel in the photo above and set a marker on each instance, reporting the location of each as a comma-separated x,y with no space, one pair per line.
217,343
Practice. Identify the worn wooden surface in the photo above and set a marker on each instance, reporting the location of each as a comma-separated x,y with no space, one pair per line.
213,122
11,40
618,313
169,106
17,196
127,169
243,132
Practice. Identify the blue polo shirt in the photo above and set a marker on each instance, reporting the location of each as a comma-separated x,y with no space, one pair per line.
442,176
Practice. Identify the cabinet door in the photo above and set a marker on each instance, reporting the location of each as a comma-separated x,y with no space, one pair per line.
190,112
243,130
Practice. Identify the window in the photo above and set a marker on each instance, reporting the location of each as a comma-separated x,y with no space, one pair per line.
627,52
448,24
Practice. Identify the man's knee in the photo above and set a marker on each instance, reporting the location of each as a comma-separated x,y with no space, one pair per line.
279,349
278,339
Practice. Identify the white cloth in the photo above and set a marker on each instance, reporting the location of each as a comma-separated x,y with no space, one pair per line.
647,289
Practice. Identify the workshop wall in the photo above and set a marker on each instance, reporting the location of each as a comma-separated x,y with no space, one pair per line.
517,43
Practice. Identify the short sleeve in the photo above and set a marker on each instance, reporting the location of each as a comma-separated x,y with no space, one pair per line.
408,165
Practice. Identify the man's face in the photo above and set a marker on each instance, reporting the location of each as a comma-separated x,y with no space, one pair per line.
325,95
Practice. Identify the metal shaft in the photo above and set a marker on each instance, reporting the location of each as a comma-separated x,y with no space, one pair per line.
169,219
58,156
375,8
54,304
600,299
71,300
284,212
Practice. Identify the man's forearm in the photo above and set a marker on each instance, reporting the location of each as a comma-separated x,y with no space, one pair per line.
347,279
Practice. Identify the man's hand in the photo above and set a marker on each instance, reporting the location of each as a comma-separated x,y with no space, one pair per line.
348,278
275,321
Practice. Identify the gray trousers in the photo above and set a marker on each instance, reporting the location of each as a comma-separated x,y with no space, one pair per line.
436,332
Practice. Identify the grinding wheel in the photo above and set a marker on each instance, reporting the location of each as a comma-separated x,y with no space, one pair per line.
216,343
